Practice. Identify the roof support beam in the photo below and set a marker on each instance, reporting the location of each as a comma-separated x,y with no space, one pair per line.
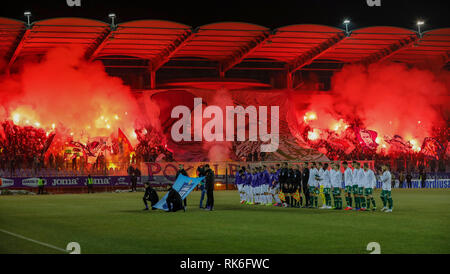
101,42
172,49
15,51
246,51
314,53
387,52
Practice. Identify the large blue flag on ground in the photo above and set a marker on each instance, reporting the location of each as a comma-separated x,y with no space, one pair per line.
183,185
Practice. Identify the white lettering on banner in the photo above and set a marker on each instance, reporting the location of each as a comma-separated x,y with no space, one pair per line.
6,182
32,182
67,181
101,181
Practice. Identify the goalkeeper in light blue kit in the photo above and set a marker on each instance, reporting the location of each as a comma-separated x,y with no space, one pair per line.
386,195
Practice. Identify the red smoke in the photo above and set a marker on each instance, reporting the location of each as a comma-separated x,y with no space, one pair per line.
65,92
391,99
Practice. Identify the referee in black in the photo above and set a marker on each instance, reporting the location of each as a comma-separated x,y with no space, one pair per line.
209,185
283,179
305,178
298,185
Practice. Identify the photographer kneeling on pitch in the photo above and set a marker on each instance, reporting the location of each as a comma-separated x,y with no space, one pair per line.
150,195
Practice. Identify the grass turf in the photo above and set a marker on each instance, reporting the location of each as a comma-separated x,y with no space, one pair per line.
115,223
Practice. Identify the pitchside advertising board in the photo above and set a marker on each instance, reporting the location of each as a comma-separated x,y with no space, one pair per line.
165,173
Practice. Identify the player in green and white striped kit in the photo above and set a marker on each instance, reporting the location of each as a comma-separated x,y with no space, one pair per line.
355,187
369,184
313,185
386,195
336,184
348,181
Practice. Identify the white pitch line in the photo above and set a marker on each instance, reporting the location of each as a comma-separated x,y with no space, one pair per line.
34,241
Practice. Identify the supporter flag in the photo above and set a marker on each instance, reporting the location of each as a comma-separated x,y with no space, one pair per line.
124,144
431,148
281,196
183,185
367,138
93,147
48,142
397,143
297,195
342,144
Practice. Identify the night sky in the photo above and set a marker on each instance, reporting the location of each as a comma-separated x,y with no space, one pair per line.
272,14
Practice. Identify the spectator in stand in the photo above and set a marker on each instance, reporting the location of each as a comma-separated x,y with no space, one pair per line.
401,179
423,178
409,180
51,160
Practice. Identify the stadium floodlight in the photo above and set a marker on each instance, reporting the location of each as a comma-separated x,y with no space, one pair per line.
27,14
346,23
419,24
112,16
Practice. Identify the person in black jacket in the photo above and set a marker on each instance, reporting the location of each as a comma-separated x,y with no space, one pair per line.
298,185
283,179
174,202
409,180
305,178
291,186
150,195
181,170
209,185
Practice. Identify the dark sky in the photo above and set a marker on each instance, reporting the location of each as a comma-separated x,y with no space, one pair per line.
269,13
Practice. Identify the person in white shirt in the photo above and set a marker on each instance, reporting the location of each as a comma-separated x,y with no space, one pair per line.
326,184
348,182
336,184
369,184
313,185
386,188
355,174
356,178
360,179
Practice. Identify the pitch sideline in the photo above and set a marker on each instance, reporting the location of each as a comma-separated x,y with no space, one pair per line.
34,241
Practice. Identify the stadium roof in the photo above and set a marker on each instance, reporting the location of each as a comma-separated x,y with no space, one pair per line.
228,44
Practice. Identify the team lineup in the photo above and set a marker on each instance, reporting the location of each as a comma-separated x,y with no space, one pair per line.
289,186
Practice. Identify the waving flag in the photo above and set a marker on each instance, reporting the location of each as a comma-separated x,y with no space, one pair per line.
48,142
124,144
431,148
367,137
397,143
183,185
341,144
281,196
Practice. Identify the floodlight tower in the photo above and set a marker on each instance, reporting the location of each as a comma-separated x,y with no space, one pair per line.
346,23
419,24
27,14
112,16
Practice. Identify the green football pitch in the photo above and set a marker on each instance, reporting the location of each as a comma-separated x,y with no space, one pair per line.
115,223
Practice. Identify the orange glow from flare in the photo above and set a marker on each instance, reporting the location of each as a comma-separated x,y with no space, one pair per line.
310,116
313,135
